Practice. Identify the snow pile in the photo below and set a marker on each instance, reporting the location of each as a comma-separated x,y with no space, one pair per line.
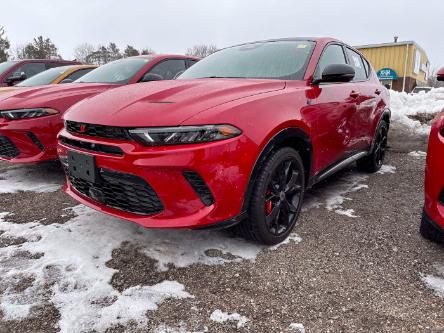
31,178
222,317
403,105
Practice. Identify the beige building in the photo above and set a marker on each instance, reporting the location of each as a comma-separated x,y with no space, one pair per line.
401,65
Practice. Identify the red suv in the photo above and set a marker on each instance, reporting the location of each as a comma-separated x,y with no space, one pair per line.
432,223
12,72
31,117
235,140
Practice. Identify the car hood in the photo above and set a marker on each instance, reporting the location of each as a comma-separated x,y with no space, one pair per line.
164,103
50,95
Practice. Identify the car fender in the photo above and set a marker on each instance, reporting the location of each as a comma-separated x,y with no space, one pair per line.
278,139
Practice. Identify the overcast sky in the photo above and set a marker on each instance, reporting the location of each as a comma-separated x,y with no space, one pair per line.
169,26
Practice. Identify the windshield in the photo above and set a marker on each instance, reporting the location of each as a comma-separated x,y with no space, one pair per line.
285,60
117,72
4,66
46,77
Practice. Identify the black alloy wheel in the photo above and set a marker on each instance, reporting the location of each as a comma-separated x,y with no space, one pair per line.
276,199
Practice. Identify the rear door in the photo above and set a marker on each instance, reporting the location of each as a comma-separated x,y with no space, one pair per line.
334,106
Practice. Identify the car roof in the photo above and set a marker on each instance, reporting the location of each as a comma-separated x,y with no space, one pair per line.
75,67
324,40
164,56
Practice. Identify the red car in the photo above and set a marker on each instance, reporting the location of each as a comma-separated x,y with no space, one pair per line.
31,118
12,72
432,223
235,140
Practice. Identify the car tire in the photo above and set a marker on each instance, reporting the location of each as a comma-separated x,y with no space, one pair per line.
373,162
276,199
429,231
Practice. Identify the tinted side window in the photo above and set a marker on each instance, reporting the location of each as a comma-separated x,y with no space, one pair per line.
78,74
358,65
168,69
333,54
54,64
191,62
367,66
31,69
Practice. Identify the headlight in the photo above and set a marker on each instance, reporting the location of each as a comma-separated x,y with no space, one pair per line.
158,136
27,113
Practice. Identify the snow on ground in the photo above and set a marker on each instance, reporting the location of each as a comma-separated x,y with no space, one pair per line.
73,262
181,329
418,154
297,327
436,282
334,195
403,105
30,178
387,169
222,317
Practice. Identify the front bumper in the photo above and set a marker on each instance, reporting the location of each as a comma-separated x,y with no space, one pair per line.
223,167
29,140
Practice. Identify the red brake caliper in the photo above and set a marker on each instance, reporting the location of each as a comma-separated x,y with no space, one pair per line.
268,204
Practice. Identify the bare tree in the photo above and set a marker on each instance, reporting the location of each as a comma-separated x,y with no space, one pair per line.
202,50
19,52
82,51
4,45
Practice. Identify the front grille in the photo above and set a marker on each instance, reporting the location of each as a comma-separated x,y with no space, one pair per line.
92,146
121,191
36,141
100,131
200,187
7,148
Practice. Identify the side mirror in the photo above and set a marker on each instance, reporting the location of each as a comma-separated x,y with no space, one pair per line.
148,77
337,73
16,78
66,81
440,75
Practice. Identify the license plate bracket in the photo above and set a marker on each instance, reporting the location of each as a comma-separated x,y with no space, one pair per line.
82,166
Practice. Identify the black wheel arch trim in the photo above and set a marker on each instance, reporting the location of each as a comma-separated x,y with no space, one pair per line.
274,143
385,114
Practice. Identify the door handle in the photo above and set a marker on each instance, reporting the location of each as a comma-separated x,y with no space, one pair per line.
378,92
354,94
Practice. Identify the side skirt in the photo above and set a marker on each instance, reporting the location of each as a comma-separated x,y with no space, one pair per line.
336,167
